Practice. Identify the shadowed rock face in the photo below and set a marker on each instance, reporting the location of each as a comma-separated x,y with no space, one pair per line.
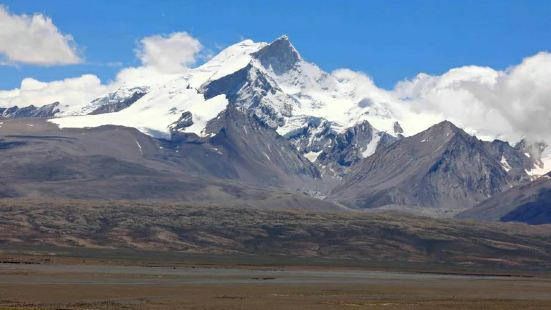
313,136
514,159
442,168
250,143
351,146
535,150
279,56
529,203
252,90
398,130
177,128
337,151
116,101
45,111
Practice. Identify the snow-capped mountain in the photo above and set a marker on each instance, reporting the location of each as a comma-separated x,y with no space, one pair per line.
115,101
442,168
49,110
260,113
336,151
320,113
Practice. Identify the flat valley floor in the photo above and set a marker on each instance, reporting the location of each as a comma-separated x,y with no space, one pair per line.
77,284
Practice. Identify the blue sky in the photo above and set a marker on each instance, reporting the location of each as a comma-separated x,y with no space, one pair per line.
389,40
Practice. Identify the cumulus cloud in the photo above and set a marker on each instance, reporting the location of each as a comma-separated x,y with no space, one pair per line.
139,76
34,40
169,54
163,58
359,84
69,92
510,104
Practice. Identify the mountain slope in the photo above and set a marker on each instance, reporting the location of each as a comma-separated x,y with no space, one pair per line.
442,168
252,90
529,203
108,162
258,153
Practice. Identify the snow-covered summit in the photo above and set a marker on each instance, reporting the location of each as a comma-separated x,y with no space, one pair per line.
277,81
228,61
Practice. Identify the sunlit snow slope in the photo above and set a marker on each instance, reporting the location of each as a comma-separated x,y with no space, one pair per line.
343,98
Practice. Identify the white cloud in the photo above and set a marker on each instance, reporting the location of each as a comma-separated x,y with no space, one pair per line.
34,40
69,92
139,76
169,54
163,58
510,104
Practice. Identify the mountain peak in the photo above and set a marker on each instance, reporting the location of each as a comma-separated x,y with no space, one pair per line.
441,130
279,56
442,134
282,37
446,125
